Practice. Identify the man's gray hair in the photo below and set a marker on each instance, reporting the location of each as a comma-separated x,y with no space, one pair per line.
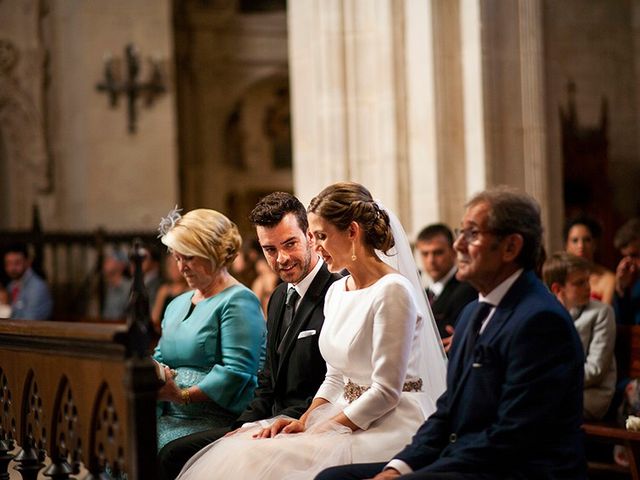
513,211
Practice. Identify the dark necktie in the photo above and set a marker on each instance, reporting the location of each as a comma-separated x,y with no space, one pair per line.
479,316
289,314
431,296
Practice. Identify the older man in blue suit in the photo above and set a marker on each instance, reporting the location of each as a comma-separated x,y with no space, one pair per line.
513,405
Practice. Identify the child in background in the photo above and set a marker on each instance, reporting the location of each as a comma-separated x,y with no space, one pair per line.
567,276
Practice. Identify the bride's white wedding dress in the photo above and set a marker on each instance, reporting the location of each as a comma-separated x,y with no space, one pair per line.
371,340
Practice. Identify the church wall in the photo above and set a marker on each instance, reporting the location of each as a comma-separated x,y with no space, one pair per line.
104,175
595,44
24,160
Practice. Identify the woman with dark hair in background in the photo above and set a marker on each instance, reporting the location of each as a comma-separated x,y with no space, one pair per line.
581,235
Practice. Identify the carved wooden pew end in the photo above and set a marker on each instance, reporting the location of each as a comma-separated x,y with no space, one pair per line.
75,392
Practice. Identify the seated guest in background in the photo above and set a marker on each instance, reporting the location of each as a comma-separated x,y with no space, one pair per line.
627,298
290,377
447,295
212,336
581,235
5,307
567,276
151,270
117,285
513,404
28,292
243,267
174,286
265,283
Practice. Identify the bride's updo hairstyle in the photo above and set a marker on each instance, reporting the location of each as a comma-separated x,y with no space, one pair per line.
346,202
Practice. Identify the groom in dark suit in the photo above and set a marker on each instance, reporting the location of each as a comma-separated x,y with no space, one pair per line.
513,404
293,369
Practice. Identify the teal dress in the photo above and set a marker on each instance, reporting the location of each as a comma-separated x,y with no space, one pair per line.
219,347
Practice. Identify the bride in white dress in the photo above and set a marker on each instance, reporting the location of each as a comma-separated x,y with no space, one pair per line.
385,363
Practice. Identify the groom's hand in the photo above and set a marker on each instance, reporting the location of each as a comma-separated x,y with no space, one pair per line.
232,432
387,473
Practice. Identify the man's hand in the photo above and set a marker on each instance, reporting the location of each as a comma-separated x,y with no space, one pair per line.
388,473
233,432
446,341
626,274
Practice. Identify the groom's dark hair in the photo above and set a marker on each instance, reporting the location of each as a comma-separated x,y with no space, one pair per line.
270,210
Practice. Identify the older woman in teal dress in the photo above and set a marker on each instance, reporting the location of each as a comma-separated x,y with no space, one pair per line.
213,337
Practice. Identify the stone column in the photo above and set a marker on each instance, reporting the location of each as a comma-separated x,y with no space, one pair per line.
513,92
473,90
363,101
534,139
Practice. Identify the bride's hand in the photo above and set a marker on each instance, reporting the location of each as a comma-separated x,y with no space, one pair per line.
284,425
296,426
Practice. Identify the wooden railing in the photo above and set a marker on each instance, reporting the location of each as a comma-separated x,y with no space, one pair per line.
81,395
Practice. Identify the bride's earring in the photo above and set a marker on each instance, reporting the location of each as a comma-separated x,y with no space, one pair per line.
353,252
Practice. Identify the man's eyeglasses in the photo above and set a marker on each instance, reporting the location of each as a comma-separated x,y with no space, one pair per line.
471,236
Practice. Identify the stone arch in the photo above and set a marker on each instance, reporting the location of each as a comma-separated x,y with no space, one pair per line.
259,118
257,143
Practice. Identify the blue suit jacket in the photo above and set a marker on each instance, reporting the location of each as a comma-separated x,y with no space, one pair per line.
515,408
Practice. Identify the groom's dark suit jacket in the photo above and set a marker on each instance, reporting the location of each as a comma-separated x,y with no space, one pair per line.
288,381
514,407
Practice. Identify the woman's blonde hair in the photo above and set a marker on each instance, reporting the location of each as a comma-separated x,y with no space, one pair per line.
204,233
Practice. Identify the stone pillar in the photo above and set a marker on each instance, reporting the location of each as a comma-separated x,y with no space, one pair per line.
344,95
318,96
425,102
422,135
450,107
514,104
473,89
365,70
534,140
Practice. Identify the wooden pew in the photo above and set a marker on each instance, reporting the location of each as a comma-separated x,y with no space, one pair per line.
81,394
628,364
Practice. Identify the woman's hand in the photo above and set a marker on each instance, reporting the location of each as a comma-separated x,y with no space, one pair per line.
284,425
170,392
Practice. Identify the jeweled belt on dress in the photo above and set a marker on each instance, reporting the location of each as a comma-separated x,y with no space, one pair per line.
353,391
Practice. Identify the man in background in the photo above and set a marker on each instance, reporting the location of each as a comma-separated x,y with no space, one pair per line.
567,276
151,270
28,292
627,297
117,285
447,295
